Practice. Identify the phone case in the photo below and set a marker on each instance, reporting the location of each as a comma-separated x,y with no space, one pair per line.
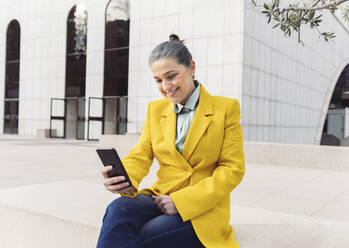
111,157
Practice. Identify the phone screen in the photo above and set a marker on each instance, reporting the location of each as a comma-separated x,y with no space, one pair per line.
110,157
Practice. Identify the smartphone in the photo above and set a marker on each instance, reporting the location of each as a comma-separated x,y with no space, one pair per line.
111,157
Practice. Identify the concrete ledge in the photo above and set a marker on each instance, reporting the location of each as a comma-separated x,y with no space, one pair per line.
21,228
304,156
45,132
69,214
56,215
256,228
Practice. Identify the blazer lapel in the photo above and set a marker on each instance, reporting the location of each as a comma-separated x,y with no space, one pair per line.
168,125
201,121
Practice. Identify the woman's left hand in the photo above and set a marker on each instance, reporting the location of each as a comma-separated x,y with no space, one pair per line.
165,204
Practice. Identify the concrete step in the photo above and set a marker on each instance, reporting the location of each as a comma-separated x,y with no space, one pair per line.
255,228
69,214
61,214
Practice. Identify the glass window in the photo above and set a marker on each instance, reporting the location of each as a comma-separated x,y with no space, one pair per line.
12,80
11,103
340,97
76,51
116,54
12,60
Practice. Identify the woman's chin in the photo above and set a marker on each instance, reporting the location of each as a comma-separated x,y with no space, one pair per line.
173,100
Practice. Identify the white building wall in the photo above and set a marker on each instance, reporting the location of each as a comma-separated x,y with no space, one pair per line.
287,87
284,88
212,30
43,51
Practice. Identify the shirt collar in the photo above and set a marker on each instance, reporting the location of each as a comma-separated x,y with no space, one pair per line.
192,101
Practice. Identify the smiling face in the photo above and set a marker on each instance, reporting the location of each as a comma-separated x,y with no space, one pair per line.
174,81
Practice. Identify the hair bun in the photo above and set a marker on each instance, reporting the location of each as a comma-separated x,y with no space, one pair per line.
175,37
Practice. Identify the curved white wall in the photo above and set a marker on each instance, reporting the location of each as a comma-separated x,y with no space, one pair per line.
287,87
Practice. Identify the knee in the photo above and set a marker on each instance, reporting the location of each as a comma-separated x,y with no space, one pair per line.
118,207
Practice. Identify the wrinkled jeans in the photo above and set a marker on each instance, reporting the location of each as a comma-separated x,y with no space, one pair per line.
138,223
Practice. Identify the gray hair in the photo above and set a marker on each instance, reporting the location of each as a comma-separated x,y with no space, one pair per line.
174,48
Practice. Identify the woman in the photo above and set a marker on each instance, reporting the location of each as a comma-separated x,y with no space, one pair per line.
198,143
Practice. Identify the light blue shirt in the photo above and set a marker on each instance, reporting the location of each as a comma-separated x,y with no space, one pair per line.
185,115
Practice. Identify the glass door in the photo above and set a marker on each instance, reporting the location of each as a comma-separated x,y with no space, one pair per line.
122,115
58,118
95,122
11,116
80,132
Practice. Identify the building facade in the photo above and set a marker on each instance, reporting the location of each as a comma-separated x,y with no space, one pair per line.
80,67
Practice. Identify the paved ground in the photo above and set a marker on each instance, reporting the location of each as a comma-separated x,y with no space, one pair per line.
317,193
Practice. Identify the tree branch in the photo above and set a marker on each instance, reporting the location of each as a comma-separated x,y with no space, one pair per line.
314,7
291,18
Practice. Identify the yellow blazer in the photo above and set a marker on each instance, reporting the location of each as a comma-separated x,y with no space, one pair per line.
199,182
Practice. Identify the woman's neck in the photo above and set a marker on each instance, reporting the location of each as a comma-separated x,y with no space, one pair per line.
188,96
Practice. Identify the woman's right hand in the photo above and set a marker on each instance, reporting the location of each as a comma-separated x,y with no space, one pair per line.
118,187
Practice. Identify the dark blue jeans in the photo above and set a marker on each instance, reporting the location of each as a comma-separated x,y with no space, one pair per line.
138,223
